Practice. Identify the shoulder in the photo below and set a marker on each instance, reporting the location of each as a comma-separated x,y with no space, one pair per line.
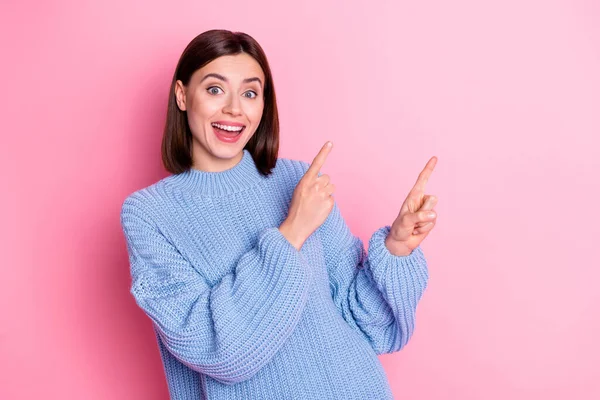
293,168
142,203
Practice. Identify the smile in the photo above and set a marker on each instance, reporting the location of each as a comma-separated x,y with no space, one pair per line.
227,133
228,128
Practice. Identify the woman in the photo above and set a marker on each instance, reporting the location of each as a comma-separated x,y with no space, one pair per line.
254,283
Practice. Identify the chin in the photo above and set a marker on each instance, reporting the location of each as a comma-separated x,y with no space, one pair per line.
227,150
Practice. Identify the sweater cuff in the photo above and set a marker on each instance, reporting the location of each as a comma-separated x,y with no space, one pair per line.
272,244
383,264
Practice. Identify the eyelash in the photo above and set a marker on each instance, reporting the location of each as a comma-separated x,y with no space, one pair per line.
211,87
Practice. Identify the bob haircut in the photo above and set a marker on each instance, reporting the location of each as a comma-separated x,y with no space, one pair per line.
176,148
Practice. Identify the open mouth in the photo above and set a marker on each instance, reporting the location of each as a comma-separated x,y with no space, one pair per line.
228,130
228,133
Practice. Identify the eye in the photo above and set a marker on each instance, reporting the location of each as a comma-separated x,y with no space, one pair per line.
211,91
251,91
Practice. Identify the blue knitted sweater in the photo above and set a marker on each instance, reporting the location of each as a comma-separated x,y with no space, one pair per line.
239,313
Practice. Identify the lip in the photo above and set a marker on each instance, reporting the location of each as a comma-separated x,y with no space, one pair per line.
228,123
227,139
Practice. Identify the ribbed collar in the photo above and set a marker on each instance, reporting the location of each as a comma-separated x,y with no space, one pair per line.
241,176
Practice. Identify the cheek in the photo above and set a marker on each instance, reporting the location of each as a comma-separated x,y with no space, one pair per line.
205,108
255,113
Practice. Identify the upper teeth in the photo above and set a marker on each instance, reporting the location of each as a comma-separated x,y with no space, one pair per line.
229,128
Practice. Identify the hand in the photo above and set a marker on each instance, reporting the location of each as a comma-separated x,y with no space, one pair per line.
416,218
311,202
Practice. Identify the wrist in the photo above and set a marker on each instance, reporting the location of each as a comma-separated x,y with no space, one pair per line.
291,234
397,248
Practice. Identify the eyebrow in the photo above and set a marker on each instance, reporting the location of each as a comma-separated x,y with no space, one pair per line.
221,77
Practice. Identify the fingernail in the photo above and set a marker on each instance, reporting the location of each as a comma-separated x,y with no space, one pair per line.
431,215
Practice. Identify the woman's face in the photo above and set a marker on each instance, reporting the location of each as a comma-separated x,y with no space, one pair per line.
222,97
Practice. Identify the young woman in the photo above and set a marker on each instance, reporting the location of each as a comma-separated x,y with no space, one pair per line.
255,285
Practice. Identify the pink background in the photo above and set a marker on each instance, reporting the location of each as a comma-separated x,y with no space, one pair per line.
505,93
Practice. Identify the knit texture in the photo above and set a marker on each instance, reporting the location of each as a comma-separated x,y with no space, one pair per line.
239,313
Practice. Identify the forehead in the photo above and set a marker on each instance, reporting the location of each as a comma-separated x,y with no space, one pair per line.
234,67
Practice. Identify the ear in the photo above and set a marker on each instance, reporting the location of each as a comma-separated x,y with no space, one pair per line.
180,95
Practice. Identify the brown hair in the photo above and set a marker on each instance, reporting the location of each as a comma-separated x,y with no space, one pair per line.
176,146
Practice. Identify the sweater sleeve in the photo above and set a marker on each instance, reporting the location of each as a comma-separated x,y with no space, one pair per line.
231,329
377,294
183,383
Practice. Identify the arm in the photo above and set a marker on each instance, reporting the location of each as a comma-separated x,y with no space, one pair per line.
228,331
377,294
183,383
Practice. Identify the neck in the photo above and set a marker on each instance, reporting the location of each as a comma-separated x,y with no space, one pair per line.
238,177
207,163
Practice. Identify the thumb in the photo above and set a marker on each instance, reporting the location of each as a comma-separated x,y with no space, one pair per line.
412,219
429,202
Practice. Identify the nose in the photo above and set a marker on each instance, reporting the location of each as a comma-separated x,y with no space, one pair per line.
233,105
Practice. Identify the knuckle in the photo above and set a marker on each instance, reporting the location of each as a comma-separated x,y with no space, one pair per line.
323,180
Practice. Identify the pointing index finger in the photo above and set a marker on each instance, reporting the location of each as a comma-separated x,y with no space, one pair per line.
315,166
424,175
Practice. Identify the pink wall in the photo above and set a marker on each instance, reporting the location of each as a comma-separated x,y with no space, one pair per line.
505,93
